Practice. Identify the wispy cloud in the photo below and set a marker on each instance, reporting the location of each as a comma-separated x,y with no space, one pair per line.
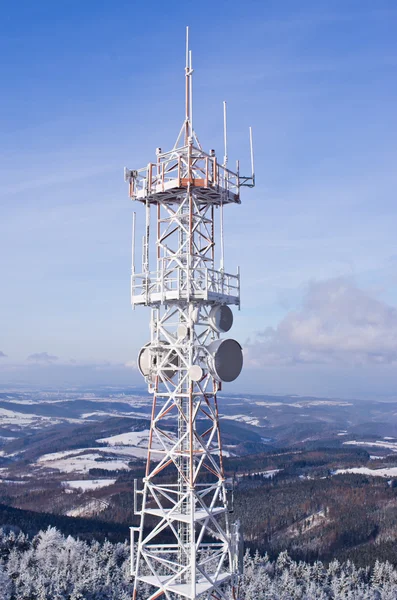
57,178
2,355
42,357
63,374
338,323
131,364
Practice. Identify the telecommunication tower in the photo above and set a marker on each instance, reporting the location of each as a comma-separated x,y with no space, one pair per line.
185,546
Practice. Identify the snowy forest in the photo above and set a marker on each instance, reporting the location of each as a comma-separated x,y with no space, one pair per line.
51,566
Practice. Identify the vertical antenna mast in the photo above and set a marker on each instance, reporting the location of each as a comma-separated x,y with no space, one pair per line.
187,90
133,243
191,91
252,158
225,158
133,253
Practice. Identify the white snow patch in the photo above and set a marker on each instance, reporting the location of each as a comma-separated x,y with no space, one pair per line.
94,507
269,474
57,455
88,484
378,444
271,404
325,403
390,472
244,418
131,438
102,413
84,462
135,443
305,403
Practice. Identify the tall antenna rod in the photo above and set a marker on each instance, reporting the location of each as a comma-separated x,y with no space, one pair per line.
187,130
225,159
191,91
133,254
252,158
133,244
222,236
187,89
225,133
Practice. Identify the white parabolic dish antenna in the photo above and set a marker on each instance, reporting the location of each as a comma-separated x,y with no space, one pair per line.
221,318
225,359
147,360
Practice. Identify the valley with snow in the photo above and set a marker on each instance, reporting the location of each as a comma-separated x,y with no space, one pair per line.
74,455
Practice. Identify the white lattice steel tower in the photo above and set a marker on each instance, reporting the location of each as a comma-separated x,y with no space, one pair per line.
185,547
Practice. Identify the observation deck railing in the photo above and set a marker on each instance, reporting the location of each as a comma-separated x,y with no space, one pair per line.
175,283
180,167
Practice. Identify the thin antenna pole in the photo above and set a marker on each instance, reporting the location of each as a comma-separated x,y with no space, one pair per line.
133,244
252,157
147,237
222,261
187,49
225,158
187,89
225,133
191,91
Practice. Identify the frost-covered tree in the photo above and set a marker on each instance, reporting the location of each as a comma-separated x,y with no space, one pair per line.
54,567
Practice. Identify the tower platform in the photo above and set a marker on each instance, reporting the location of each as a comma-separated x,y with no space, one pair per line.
167,285
180,168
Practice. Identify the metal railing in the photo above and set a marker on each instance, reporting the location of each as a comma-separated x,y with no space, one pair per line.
176,168
175,283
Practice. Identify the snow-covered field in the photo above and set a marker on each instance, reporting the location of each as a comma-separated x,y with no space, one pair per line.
133,443
58,455
243,418
81,463
271,404
131,438
389,472
269,474
115,454
325,403
115,413
14,420
88,484
12,417
378,444
304,403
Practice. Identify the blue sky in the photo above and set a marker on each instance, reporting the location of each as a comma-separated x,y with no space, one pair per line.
89,87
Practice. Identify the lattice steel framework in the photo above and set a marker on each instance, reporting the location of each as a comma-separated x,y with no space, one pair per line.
184,547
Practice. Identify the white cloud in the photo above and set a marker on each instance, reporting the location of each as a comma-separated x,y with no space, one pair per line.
42,357
338,323
131,364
